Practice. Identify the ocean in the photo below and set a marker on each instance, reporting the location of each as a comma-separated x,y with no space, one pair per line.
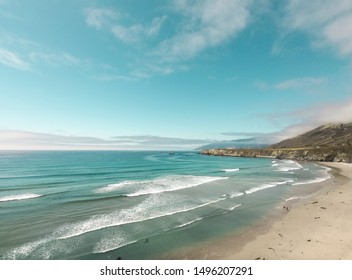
136,204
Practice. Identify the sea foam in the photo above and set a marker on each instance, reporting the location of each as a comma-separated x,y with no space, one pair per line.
267,186
316,180
19,197
287,165
158,185
324,175
150,209
189,223
112,242
231,170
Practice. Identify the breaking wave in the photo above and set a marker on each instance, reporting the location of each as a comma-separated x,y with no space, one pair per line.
267,186
231,170
159,185
19,197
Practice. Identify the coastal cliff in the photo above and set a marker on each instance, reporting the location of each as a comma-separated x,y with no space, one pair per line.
330,143
330,155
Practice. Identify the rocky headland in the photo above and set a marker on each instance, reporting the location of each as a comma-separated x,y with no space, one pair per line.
329,143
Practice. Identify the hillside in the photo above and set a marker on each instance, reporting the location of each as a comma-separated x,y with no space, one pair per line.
333,135
247,143
326,143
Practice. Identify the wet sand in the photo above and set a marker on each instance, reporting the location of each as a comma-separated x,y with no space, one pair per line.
317,228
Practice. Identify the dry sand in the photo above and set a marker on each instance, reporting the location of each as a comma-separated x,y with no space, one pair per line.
319,228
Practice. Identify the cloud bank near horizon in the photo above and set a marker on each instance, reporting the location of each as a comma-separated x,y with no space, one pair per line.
24,140
306,119
309,118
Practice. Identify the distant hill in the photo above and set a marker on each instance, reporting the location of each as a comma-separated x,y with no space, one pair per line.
331,142
332,135
247,143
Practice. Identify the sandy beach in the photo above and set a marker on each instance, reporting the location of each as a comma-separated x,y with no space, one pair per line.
318,228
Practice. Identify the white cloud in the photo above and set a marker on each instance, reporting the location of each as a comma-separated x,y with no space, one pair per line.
108,18
134,33
311,117
339,34
155,26
329,22
194,26
206,24
332,112
127,34
151,140
98,17
16,48
11,59
304,14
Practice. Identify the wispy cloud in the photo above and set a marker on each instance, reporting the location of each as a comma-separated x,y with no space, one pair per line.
205,24
23,54
55,58
13,60
112,20
330,112
299,83
23,140
311,117
98,17
128,30
133,33
301,120
193,27
242,134
328,22
304,84
113,77
150,140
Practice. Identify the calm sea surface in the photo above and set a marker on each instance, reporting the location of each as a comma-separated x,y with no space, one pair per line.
134,205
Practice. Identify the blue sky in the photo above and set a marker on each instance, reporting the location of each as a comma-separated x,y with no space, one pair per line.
171,74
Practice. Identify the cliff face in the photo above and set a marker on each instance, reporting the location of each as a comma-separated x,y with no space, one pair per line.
325,143
336,155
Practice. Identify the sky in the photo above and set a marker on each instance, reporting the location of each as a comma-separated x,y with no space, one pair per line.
169,75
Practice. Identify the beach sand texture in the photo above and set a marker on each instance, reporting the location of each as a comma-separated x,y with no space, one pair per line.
319,228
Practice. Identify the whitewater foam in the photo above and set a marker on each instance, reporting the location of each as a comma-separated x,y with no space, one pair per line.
19,197
112,242
159,185
236,194
189,223
297,197
148,210
316,180
231,170
25,249
234,207
267,186
287,165
324,176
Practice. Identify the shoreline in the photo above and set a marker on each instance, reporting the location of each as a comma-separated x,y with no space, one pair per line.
316,228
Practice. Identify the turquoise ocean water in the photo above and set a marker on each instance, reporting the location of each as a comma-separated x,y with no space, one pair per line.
134,205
